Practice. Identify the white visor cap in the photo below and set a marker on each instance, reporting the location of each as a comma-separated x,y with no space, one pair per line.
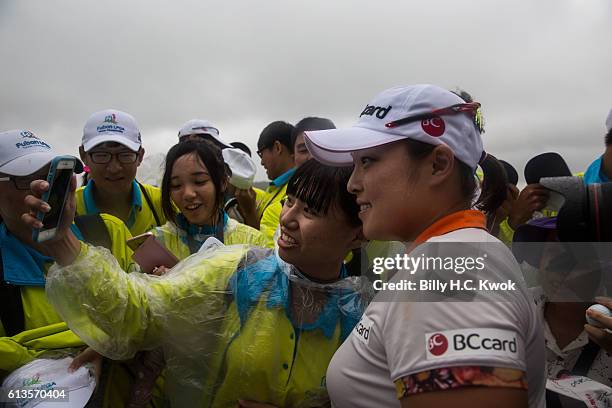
457,131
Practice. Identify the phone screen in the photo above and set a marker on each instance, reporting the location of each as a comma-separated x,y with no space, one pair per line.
57,195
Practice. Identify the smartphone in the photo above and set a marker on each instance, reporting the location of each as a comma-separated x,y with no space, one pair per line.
59,178
151,254
138,240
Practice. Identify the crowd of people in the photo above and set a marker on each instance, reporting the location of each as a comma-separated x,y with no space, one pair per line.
270,302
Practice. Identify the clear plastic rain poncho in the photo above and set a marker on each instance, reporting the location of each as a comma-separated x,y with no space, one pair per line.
234,322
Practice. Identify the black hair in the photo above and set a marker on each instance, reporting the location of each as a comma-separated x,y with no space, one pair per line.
242,146
493,188
609,138
278,130
212,159
310,123
321,186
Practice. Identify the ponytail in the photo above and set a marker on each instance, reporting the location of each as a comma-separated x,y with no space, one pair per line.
494,185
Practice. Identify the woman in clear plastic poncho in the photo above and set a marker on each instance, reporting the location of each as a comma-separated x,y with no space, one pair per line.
236,323
194,182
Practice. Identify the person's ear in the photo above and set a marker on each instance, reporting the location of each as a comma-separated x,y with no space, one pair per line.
82,154
442,162
141,153
277,147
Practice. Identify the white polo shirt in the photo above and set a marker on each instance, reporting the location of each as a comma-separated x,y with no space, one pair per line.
407,338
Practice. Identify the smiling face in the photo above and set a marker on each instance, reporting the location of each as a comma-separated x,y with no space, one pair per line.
391,192
115,176
192,190
315,243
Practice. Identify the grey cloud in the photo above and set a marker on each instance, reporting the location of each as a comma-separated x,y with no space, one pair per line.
541,69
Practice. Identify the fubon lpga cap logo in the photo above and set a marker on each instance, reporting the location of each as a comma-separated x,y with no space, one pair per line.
437,344
433,126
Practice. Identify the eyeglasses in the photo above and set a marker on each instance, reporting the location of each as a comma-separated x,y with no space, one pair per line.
260,151
23,182
106,157
471,108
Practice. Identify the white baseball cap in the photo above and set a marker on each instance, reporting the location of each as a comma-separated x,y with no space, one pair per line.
242,166
111,125
201,127
52,375
409,112
23,153
609,121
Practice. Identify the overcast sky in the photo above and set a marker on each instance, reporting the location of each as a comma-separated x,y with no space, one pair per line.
541,68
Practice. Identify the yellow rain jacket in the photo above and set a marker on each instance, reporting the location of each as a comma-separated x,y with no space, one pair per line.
224,317
45,332
175,239
44,329
269,205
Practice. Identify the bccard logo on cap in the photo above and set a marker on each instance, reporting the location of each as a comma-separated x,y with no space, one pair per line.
437,344
434,126
112,118
378,111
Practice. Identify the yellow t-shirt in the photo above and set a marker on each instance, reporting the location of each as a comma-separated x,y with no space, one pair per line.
142,215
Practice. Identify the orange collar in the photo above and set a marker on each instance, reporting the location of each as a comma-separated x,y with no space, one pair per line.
452,222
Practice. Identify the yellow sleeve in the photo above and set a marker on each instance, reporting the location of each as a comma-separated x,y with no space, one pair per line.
118,314
80,201
506,233
260,197
238,233
270,222
155,195
119,234
23,347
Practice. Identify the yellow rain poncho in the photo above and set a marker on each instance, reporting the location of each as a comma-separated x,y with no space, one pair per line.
235,322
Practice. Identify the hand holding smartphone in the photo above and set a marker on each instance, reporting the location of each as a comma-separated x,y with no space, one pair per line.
59,179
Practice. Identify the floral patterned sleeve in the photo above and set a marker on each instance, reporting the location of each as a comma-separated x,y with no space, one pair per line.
449,378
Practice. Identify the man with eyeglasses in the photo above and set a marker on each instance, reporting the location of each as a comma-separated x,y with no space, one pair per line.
112,149
29,325
275,150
